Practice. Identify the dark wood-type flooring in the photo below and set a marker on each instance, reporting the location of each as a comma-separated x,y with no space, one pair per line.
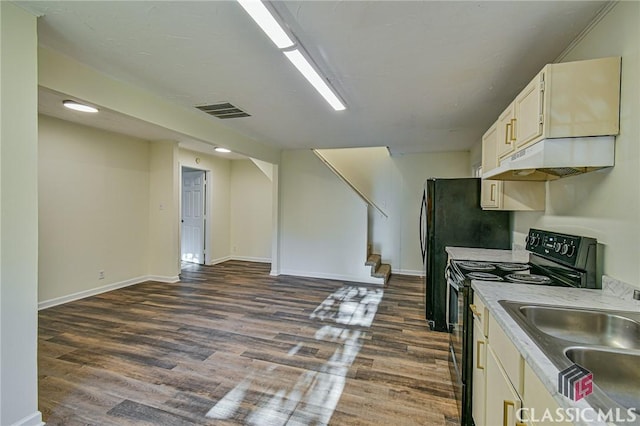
230,344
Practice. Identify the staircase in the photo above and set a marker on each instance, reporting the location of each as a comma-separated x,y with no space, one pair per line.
378,269
360,180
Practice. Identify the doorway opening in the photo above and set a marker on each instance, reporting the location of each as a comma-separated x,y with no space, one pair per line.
193,216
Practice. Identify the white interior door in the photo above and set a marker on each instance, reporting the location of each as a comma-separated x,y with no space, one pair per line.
193,216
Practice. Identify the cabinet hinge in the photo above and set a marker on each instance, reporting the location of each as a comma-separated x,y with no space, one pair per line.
542,85
541,119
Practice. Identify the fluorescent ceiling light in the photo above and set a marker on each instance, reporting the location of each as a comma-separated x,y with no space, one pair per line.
77,106
265,20
224,150
305,68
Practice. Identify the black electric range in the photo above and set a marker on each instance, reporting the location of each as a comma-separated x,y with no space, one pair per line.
554,260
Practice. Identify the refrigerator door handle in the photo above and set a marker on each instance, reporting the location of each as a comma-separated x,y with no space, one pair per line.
423,243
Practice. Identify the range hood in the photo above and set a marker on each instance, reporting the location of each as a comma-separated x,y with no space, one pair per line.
552,159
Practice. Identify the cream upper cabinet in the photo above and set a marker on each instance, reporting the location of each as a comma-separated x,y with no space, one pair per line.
504,132
490,188
489,148
506,195
570,99
528,121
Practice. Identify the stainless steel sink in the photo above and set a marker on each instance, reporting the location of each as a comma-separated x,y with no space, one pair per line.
616,373
605,342
585,326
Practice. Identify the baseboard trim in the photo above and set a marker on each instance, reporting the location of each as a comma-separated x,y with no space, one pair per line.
103,289
218,260
252,259
163,278
339,277
412,272
34,419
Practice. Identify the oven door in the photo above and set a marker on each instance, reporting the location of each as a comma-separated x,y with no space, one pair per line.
456,337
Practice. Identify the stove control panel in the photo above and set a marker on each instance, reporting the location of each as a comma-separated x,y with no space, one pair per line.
570,250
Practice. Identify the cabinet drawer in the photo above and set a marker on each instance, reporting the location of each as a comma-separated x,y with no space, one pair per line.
509,357
480,315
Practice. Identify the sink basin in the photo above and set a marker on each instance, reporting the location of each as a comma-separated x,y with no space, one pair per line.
584,326
605,342
617,374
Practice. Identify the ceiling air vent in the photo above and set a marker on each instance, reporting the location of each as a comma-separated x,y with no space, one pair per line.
224,110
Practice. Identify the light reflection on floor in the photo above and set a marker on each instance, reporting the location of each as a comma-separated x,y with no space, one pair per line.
343,318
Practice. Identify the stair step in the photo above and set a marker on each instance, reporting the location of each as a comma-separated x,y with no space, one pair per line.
379,269
384,271
373,260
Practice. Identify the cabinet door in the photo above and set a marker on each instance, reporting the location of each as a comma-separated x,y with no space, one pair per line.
529,112
479,374
491,194
538,400
505,132
503,403
489,149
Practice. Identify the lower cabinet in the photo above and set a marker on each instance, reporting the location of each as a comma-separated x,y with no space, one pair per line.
479,374
506,391
539,401
503,402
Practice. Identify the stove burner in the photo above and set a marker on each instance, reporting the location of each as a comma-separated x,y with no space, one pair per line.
476,266
483,276
528,279
512,267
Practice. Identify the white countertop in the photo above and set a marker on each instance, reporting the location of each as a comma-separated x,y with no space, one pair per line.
488,255
492,292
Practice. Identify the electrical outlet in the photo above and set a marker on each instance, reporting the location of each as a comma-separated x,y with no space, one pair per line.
101,275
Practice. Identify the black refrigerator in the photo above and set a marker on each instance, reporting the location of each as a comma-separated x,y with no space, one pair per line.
451,215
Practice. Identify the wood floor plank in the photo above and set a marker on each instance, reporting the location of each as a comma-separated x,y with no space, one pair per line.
229,344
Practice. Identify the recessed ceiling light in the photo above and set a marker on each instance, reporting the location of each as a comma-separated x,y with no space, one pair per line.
77,106
223,150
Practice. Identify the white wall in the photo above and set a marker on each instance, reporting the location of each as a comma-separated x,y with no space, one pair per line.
18,217
93,208
219,218
395,184
323,229
605,204
251,212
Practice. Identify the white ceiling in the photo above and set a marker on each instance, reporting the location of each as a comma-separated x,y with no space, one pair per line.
417,76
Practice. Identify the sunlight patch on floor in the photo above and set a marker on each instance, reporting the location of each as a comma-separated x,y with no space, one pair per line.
343,318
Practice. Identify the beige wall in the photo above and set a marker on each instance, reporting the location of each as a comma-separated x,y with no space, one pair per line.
164,211
18,217
410,172
605,204
251,207
323,227
395,184
93,208
65,75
